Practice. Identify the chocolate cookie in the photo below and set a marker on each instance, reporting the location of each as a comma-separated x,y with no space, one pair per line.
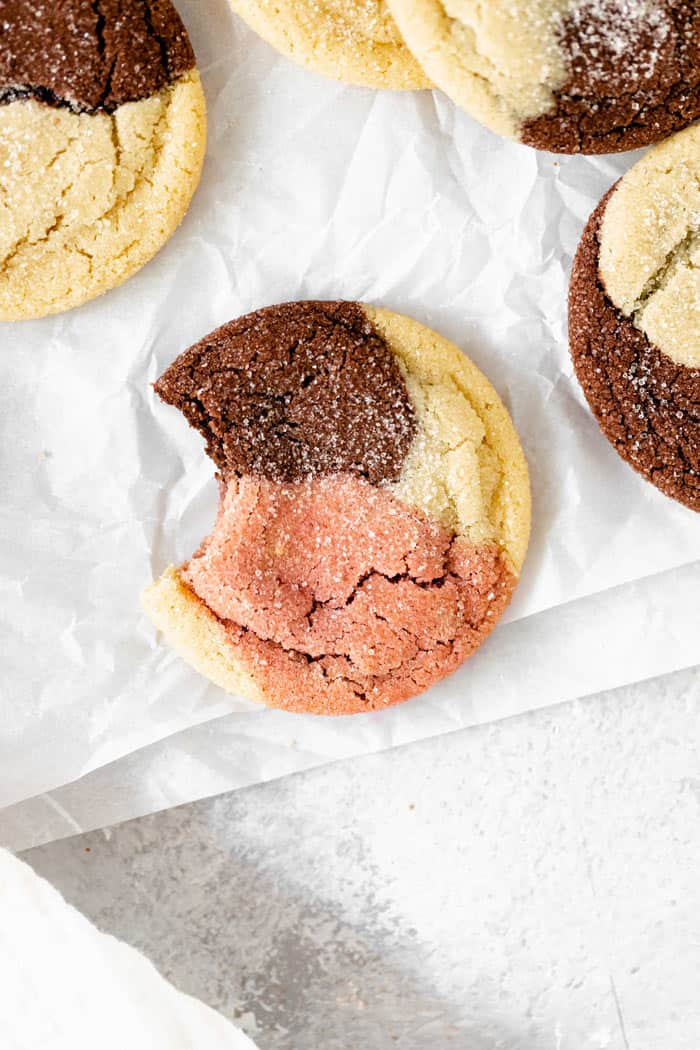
102,135
634,322
570,76
351,40
374,510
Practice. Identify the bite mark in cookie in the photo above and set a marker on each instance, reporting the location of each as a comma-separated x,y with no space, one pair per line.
90,55
294,391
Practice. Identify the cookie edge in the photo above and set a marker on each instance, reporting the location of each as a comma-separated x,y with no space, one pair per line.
195,634
403,72
422,25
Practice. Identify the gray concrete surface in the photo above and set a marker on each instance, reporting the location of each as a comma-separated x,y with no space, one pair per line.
530,884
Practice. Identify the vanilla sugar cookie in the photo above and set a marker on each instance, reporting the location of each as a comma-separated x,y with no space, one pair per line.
634,316
374,514
102,137
356,41
570,76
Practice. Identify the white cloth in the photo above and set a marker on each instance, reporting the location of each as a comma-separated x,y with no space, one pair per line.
66,986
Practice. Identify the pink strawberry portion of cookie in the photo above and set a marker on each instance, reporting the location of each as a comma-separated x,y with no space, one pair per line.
332,588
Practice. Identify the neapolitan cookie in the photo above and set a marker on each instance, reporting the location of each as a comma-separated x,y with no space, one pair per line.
102,136
634,316
570,76
374,512
356,41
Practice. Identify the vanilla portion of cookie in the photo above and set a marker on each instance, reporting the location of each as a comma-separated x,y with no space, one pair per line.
649,258
87,199
465,466
356,41
500,61
102,137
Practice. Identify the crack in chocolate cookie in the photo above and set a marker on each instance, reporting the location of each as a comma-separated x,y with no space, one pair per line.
374,508
90,55
355,41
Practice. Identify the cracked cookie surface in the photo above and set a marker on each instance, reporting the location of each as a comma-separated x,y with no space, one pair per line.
342,596
355,41
570,76
90,55
102,137
634,327
300,390
359,581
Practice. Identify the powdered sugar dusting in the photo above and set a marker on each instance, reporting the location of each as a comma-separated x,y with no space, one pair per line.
610,29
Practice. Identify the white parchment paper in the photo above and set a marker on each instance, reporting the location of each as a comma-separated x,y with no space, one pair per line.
575,650
311,189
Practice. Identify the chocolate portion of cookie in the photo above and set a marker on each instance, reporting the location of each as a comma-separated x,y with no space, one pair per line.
634,77
296,390
646,405
90,55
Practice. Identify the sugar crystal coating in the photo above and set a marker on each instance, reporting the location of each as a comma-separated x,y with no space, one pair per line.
296,390
90,55
647,405
633,76
340,596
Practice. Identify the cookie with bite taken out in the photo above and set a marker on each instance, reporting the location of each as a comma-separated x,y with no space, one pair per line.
374,513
